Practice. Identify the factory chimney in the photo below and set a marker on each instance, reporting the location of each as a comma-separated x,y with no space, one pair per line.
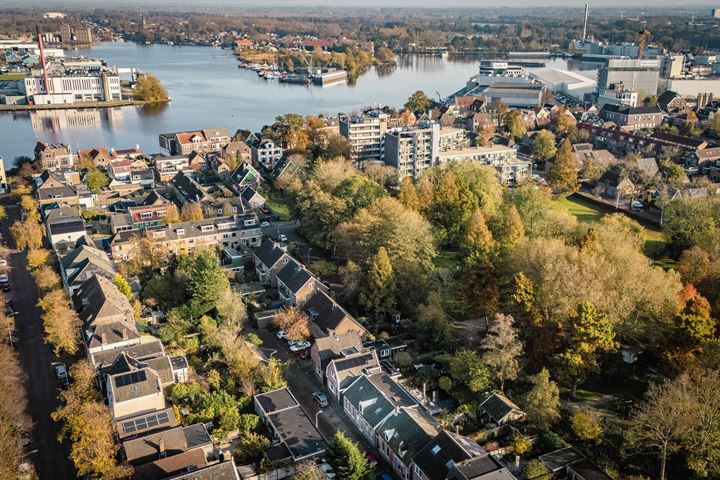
42,61
584,37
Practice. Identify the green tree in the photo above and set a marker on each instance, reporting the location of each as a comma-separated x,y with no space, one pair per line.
515,124
148,88
96,180
542,402
563,174
418,102
468,368
359,192
502,348
205,282
251,448
520,445
673,173
380,287
588,335
536,470
452,208
586,425
543,146
122,284
346,458
231,306
478,243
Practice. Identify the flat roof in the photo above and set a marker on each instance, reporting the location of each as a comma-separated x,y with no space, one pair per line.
276,400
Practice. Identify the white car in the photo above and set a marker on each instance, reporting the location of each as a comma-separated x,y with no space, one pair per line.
637,206
297,346
282,237
265,224
280,334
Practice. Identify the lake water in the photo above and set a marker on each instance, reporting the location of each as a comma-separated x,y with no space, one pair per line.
208,90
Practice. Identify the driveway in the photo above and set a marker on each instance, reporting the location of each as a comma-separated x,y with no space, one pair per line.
51,459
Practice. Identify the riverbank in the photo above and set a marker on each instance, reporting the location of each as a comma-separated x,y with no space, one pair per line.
79,105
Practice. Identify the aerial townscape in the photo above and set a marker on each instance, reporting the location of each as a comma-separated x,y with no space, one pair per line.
371,242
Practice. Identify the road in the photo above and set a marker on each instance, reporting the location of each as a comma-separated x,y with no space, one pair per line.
51,459
288,228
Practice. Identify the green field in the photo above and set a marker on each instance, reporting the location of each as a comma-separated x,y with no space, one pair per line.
586,211
12,76
277,204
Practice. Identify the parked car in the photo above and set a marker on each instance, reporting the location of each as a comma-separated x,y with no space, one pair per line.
3,262
282,237
264,224
320,398
298,346
280,335
4,282
327,470
304,354
61,373
637,206
383,476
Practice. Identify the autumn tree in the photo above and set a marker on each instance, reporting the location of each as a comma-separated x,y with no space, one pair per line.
308,470
563,175
378,294
191,211
542,402
515,124
3,212
586,425
543,146
537,470
61,323
346,458
95,179
295,323
148,88
231,307
513,228
501,349
589,334
478,242
14,421
46,278
123,286
408,195
38,257
27,234
564,122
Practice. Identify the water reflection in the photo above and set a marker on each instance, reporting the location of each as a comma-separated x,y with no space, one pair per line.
152,109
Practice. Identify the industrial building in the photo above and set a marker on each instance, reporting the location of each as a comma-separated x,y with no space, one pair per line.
71,85
617,94
640,75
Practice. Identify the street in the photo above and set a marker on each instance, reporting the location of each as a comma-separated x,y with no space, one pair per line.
287,228
52,458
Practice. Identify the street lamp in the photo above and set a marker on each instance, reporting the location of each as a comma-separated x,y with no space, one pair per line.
316,417
308,255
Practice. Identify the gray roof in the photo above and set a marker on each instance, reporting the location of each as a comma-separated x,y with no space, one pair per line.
280,399
497,406
189,188
163,468
437,458
269,253
559,458
392,390
352,366
146,448
483,467
297,432
141,351
197,436
368,400
408,431
102,302
334,346
109,333
325,312
219,471
56,192
133,385
294,276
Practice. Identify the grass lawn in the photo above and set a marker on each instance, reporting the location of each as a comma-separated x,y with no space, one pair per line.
12,76
447,259
278,204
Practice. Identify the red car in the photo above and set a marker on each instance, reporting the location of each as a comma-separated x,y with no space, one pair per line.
304,354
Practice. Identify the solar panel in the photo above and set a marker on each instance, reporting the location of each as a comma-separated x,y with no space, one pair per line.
130,378
145,423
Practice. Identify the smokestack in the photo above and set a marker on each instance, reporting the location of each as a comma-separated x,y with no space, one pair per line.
42,60
161,447
587,8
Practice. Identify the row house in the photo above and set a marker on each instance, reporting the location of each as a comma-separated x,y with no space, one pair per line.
82,263
327,318
341,372
633,118
264,151
187,237
153,211
64,224
296,284
269,259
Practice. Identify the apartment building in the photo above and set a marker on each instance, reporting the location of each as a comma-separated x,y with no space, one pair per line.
366,134
201,141
412,150
633,118
186,237
510,169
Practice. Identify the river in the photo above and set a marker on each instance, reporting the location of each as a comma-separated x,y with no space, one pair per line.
208,90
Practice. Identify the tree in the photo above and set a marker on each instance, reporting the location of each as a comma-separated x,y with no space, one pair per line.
231,307
542,402
149,89
385,55
673,173
359,192
478,242
588,335
514,229
95,179
502,348
14,421
563,174
536,470
468,368
308,470
27,234
543,146
295,323
46,279
251,447
520,446
3,213
515,124
123,286
586,425
445,383
378,295
418,102
38,257
191,211
269,375
403,359
205,282
408,195
564,122
61,323
346,458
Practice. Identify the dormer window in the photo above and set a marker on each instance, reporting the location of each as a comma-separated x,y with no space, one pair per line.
207,228
180,231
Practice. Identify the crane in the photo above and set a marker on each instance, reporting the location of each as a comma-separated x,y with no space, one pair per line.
644,34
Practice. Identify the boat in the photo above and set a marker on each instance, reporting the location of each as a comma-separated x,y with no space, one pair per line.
272,75
295,78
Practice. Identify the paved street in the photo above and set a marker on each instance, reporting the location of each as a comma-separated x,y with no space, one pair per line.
51,459
287,228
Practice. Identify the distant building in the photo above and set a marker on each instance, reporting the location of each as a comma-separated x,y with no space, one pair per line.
515,95
201,141
53,157
715,12
633,118
639,75
412,150
509,168
365,133
70,84
617,94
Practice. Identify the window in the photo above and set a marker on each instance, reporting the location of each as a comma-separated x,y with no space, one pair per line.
161,213
206,228
418,472
145,215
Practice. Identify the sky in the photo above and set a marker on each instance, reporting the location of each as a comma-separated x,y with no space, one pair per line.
198,4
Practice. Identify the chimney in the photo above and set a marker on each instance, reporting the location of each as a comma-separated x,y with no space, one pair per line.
42,60
397,409
103,338
587,7
161,447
